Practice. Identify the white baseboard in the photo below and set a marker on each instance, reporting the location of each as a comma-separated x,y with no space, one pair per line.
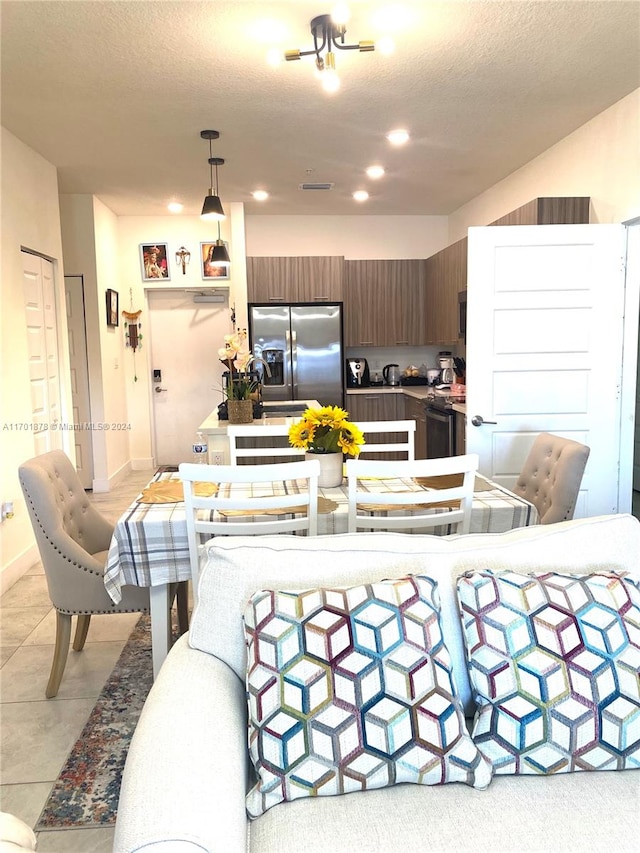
14,570
143,464
105,485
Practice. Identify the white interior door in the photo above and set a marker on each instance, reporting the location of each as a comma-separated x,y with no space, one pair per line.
544,348
42,343
79,373
185,338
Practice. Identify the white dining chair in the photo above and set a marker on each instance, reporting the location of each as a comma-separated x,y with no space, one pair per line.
442,484
404,446
264,500
269,441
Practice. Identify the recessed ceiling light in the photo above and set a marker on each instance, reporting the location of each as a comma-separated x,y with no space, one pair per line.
385,45
274,57
398,137
361,195
175,207
375,172
260,195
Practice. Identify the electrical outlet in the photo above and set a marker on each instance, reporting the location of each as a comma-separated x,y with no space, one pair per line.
217,457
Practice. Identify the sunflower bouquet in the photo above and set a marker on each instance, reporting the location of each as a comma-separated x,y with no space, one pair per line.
326,430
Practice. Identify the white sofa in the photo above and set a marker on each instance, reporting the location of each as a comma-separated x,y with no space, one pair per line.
188,768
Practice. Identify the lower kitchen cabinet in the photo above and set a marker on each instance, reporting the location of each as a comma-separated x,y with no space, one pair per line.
378,407
414,410
461,434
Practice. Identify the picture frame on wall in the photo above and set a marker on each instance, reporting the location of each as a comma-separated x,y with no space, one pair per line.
112,307
155,265
209,271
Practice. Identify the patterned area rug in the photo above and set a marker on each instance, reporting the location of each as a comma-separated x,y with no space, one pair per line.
87,789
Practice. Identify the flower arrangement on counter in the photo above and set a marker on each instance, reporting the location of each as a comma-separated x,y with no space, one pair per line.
236,355
326,430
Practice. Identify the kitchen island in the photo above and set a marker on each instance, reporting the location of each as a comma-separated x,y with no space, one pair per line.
274,412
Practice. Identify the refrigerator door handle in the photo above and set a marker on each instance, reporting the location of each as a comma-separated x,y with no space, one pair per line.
288,367
294,363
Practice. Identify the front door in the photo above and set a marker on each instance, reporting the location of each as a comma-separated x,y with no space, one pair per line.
185,338
544,348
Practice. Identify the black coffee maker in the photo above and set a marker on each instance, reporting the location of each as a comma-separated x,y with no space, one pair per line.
358,373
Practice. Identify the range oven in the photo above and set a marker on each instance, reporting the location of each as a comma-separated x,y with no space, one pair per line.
441,428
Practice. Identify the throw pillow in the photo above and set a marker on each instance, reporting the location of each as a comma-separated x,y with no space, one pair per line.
350,689
554,661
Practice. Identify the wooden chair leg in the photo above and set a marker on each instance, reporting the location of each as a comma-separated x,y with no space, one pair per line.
182,606
63,636
82,628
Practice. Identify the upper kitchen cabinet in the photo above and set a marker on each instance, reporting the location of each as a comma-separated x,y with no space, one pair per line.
446,276
446,271
297,279
384,303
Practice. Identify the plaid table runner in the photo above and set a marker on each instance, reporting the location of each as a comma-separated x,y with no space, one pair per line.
149,545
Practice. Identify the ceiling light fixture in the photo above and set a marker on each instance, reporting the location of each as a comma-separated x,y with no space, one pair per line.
398,137
361,195
175,207
212,207
260,195
327,34
375,172
220,256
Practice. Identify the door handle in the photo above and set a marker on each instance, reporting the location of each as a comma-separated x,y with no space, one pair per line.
158,389
478,420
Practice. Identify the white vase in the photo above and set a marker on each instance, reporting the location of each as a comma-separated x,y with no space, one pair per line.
330,468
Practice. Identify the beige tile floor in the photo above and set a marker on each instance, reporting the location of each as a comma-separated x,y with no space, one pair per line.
38,733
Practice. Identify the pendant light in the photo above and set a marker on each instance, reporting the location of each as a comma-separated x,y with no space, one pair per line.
220,256
212,207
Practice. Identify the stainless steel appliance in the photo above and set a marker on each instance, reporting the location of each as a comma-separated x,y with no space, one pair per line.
447,369
441,428
302,344
358,373
391,374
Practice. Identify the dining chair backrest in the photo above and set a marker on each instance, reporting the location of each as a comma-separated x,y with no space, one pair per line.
551,476
264,495
446,484
405,446
267,442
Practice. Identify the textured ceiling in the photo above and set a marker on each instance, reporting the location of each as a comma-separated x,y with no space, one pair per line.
115,94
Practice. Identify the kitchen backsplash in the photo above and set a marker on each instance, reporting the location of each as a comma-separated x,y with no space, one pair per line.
377,357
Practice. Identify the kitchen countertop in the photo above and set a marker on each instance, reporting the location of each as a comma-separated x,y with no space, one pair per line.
418,392
211,425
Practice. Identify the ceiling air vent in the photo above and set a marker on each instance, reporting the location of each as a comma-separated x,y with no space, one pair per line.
316,186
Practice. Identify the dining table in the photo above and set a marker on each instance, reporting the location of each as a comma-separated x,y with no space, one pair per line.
149,546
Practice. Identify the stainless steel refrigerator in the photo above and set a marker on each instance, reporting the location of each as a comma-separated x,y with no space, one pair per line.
302,344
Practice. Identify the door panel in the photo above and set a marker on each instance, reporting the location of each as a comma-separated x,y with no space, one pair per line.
185,338
544,348
79,376
42,347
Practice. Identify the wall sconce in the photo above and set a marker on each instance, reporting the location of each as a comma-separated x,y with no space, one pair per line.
183,256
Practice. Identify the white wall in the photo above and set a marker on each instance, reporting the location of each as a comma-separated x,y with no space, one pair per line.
601,160
354,237
31,220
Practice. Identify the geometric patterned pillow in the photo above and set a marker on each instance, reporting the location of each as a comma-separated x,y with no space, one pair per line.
554,663
350,689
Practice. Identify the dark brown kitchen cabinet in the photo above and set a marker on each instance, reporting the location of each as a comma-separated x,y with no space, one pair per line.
384,303
388,406
415,410
375,407
446,276
461,433
296,279
549,211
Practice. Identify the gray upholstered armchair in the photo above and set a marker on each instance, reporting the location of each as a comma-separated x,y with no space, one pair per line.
551,476
73,539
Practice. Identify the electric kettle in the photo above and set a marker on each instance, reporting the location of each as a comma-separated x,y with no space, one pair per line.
391,374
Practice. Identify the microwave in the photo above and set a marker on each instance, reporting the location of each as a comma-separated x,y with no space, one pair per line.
462,315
